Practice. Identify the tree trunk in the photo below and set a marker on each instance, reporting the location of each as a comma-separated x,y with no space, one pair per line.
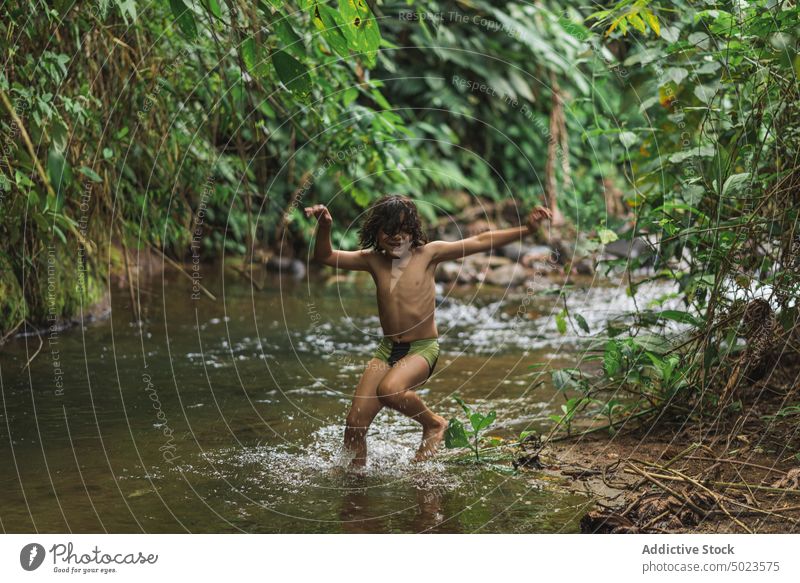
553,141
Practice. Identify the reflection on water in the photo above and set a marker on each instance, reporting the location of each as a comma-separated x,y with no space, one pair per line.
228,416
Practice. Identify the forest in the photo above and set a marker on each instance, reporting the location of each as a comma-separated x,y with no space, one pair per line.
664,137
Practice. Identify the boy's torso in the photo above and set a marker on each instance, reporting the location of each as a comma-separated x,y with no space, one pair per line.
406,295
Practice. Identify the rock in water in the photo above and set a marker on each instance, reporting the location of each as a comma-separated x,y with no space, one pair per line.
507,275
286,266
584,267
634,249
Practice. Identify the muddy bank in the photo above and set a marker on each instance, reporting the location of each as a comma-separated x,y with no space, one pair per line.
736,475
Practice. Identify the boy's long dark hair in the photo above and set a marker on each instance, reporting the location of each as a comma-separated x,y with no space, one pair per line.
392,213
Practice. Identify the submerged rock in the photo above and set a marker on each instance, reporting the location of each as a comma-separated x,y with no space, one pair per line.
634,249
584,267
507,275
517,250
483,261
452,271
539,254
286,266
542,268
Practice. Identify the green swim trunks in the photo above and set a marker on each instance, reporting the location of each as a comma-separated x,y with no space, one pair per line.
391,352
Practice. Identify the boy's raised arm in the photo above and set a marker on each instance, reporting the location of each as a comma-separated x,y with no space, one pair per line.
447,250
324,251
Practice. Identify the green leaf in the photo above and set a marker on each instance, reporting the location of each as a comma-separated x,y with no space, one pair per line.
361,197
292,73
253,58
561,322
680,316
60,175
33,198
467,410
637,22
56,165
487,421
562,379
608,408
705,93
628,139
573,28
582,323
658,363
213,7
607,236
22,179
349,96
127,8
652,21
360,28
248,52
475,420
455,436
90,174
612,358
60,234
700,152
291,40
380,99
184,17
479,421
328,22
721,21
676,74
734,183
651,342
599,15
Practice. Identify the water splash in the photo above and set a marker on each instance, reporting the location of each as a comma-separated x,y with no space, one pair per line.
321,464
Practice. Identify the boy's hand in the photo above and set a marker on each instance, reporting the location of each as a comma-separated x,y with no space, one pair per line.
537,215
321,212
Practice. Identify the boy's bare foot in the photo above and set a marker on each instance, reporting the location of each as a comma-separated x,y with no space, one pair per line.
358,463
431,438
354,459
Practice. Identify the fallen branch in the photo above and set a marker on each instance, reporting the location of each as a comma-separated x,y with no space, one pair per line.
180,268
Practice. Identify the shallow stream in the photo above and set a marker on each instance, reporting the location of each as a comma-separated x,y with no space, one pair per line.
227,415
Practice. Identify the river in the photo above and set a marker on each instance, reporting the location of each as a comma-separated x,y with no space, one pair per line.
227,415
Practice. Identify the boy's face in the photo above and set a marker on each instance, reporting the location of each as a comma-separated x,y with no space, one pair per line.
396,245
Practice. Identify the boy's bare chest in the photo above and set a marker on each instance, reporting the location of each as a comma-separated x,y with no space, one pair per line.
398,276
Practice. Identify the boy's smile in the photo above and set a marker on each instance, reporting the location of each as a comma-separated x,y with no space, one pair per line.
396,245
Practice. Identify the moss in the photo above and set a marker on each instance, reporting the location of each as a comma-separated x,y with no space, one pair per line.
60,282
13,307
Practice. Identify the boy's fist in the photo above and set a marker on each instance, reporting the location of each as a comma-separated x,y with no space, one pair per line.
321,212
537,215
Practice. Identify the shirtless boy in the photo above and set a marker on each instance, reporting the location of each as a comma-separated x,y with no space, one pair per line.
401,261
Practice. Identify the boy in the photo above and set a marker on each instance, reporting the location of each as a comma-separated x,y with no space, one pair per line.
401,261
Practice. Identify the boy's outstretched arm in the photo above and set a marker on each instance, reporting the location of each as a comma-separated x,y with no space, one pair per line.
447,250
324,252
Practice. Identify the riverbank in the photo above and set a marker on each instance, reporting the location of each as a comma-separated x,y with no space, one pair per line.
731,474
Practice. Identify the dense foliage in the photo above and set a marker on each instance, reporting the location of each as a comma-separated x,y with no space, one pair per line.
137,124
714,164
183,124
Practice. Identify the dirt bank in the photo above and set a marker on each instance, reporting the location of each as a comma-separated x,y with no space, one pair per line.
740,473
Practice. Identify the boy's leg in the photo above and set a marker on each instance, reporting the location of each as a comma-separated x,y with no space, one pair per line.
396,390
363,410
